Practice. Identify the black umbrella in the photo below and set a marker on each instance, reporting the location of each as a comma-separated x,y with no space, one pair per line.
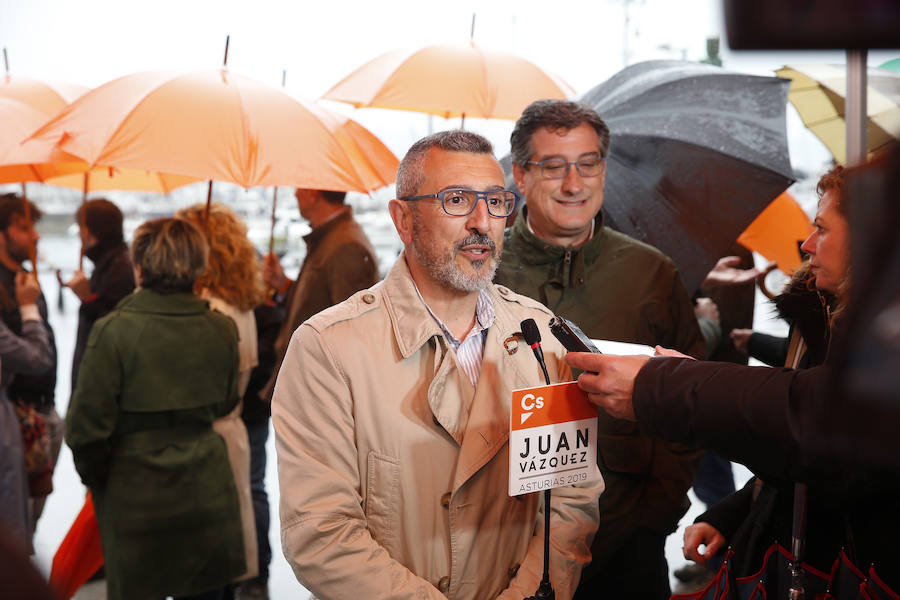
697,153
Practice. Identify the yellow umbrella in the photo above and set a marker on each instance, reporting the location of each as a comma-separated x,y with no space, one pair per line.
818,93
454,80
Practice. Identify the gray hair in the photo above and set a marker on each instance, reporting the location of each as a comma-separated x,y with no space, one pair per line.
172,254
554,115
410,173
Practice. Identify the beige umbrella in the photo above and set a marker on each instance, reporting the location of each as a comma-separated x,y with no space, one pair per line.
819,92
450,80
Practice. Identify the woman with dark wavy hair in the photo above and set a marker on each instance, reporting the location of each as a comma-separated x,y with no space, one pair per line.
157,372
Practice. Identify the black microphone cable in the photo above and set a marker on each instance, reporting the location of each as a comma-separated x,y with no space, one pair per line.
545,590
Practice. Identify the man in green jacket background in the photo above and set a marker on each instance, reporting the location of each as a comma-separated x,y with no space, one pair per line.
559,252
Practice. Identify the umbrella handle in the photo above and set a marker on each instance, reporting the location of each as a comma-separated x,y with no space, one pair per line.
761,283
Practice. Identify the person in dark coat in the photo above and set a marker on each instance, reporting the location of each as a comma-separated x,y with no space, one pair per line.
100,227
762,421
158,370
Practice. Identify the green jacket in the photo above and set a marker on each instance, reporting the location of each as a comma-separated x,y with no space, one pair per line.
158,370
616,288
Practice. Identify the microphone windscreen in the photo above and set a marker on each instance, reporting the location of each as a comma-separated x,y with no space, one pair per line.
531,332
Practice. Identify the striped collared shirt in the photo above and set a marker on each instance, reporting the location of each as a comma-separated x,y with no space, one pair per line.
470,351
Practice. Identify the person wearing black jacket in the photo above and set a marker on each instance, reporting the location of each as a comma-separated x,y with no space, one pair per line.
100,226
777,422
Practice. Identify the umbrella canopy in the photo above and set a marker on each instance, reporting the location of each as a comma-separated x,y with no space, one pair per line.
697,152
818,93
454,80
41,161
221,126
778,232
47,97
891,65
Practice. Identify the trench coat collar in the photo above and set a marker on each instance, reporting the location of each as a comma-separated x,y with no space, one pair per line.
179,303
412,323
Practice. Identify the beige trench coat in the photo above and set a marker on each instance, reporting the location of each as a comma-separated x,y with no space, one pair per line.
394,470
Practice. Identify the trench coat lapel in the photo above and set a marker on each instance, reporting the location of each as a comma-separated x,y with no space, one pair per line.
487,430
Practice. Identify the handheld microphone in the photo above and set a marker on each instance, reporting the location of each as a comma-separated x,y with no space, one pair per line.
532,336
545,590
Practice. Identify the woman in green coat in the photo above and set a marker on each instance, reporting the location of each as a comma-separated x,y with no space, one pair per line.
158,370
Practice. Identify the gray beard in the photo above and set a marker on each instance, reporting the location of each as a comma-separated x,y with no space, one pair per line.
445,270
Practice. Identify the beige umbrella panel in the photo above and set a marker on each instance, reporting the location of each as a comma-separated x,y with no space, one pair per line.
818,92
452,80
220,126
46,97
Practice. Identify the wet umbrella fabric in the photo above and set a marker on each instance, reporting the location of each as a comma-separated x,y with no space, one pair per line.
697,153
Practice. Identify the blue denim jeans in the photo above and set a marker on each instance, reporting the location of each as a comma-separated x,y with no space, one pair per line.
258,435
714,480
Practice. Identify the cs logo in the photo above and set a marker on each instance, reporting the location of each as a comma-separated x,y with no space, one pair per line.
530,404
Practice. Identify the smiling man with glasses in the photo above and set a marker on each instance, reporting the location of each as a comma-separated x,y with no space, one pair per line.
391,411
560,253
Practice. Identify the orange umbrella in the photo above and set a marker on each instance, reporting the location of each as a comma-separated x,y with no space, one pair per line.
49,98
79,554
222,126
459,80
41,160
777,232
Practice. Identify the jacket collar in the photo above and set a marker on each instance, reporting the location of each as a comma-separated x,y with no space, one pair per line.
410,319
315,236
104,250
537,251
148,301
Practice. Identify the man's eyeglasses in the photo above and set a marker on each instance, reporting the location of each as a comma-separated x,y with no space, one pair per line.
459,202
558,168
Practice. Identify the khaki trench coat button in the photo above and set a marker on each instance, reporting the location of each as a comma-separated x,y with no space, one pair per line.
368,298
445,500
444,584
513,570
503,290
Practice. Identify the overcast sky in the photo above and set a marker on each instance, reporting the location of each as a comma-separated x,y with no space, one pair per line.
90,42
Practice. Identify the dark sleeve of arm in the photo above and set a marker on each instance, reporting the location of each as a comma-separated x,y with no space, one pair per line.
350,269
30,353
764,418
727,514
117,284
770,349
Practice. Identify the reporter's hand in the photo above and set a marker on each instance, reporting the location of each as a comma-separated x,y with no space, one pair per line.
80,285
27,288
726,273
608,380
702,534
660,351
272,273
741,338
